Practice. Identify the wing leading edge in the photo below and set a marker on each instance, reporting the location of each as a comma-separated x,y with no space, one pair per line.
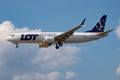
67,34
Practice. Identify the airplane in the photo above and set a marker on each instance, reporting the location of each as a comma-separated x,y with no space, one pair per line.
46,39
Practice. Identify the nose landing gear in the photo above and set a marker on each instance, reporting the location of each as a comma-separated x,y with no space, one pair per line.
17,45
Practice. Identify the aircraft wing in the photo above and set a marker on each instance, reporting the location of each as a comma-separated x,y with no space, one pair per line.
67,34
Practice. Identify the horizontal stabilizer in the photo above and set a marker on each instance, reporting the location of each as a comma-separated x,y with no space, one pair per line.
104,33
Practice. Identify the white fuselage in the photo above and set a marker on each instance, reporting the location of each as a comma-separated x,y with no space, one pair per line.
40,37
46,39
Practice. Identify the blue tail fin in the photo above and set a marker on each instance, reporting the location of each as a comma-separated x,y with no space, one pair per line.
99,27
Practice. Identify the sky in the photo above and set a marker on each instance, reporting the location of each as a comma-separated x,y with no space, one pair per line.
96,60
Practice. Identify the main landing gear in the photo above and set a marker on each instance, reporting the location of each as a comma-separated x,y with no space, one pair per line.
57,47
59,44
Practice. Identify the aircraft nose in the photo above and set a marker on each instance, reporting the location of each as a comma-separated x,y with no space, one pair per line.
9,39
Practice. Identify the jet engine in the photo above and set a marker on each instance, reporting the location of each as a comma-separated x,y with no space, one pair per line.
44,45
49,39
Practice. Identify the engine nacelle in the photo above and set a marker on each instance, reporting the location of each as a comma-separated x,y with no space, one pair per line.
49,39
44,45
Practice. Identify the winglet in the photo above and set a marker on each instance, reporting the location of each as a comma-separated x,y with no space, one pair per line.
79,26
82,23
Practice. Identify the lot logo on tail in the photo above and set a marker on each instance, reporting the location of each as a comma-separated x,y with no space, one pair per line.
99,27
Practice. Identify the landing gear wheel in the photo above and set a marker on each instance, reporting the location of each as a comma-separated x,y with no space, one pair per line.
17,46
61,44
57,47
